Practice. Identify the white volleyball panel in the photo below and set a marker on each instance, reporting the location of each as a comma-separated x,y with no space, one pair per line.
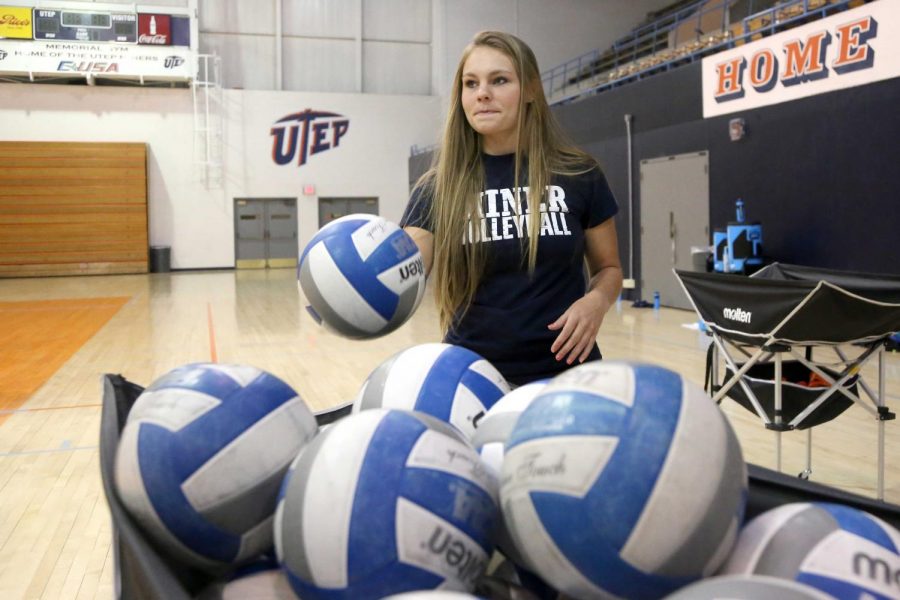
370,235
339,294
608,380
544,465
330,491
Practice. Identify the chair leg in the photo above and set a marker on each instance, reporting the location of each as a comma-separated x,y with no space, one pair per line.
805,473
880,403
777,414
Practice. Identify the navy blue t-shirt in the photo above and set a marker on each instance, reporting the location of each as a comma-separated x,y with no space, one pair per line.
508,318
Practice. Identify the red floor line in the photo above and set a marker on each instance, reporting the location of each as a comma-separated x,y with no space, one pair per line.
212,334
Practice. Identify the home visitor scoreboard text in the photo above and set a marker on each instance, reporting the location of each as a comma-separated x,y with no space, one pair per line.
52,24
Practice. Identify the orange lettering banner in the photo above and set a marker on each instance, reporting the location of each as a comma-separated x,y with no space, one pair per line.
845,49
15,22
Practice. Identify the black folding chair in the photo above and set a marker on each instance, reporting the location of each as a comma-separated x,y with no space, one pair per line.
790,310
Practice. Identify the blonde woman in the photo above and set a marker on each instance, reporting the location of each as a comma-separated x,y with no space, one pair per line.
506,259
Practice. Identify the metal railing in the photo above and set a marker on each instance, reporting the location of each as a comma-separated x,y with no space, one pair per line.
643,53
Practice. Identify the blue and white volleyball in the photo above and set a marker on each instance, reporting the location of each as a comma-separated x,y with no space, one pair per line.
839,550
747,587
490,441
362,275
385,502
494,429
622,480
445,381
261,584
431,595
201,459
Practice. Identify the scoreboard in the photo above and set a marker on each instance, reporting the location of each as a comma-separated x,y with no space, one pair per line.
85,26
69,39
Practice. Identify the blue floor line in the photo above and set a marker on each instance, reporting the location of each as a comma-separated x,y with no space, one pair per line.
49,450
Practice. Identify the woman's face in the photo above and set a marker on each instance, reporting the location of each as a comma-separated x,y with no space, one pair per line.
490,98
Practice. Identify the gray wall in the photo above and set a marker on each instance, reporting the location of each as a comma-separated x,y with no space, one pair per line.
394,46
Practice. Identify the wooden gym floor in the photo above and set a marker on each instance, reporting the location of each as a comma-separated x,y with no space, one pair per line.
59,335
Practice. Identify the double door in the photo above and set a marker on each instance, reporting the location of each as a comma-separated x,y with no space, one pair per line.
265,233
335,208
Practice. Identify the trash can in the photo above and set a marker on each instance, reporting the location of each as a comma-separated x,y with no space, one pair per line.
160,259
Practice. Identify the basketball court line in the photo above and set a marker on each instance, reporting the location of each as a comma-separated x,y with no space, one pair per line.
8,411
213,356
47,451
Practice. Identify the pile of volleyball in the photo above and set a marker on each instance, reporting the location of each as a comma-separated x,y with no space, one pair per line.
611,480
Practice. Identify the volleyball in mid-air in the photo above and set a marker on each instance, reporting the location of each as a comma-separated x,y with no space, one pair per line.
384,502
839,550
445,381
622,480
201,459
362,275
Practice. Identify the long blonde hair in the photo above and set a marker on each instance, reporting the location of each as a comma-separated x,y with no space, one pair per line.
456,177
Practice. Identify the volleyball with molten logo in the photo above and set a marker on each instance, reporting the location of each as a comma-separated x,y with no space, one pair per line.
362,275
384,502
836,549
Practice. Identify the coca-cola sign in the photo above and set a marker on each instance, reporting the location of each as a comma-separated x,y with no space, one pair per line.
155,29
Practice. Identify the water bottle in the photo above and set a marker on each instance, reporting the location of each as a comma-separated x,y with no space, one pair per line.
655,300
739,208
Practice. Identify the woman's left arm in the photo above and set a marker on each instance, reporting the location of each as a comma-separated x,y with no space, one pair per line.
581,321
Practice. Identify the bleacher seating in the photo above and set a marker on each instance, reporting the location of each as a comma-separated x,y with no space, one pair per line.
682,32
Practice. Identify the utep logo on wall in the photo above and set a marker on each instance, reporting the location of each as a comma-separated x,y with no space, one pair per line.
299,135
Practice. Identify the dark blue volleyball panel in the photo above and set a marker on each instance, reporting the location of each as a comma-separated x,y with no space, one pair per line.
361,276
392,579
592,554
371,542
203,438
552,414
611,508
396,248
200,377
615,503
342,230
458,501
157,456
859,523
484,389
439,387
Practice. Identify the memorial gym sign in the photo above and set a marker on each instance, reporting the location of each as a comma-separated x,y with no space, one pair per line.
843,50
299,135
